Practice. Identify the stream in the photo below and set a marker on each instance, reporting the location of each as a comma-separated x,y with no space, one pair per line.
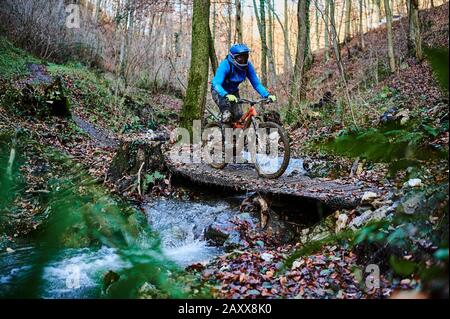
78,272
181,226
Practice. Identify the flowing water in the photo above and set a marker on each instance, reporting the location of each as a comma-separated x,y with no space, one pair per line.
78,272
181,226
72,273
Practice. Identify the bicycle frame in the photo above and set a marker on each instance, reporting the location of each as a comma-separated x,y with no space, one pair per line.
244,121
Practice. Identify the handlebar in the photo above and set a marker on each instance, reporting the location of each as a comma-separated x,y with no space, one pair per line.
251,102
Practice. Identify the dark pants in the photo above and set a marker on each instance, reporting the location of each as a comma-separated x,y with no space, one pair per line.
223,104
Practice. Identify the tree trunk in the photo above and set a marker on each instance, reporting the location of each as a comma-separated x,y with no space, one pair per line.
251,28
130,30
178,34
327,33
212,42
230,27
361,29
260,20
287,51
335,39
270,50
348,10
98,4
117,50
214,23
298,89
212,53
390,40
414,35
126,39
287,67
262,10
339,63
194,102
238,21
316,29
123,43
377,10
98,47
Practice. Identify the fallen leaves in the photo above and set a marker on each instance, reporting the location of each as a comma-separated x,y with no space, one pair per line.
247,274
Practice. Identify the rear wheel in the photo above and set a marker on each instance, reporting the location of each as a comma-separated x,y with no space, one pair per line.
214,146
272,153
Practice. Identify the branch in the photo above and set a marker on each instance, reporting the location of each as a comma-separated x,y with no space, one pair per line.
139,178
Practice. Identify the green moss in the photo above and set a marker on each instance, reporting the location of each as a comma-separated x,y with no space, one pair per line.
13,61
90,91
343,238
438,58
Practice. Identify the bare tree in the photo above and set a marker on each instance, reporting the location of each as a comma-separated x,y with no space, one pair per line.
285,29
361,29
390,41
316,27
230,22
126,38
298,91
261,22
270,48
377,10
414,34
213,35
326,18
212,52
287,51
238,32
338,58
348,11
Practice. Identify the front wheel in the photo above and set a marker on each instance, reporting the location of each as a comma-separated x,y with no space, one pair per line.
272,153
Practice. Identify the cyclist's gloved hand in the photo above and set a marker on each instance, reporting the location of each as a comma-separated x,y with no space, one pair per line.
272,98
232,98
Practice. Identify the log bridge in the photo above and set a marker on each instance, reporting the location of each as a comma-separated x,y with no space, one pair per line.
344,193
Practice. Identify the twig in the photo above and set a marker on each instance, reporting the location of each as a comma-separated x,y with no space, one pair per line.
354,167
39,191
176,74
12,156
212,113
139,179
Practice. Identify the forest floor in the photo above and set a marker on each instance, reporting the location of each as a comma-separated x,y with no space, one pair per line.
403,234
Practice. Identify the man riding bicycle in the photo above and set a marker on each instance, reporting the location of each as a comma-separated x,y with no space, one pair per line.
232,71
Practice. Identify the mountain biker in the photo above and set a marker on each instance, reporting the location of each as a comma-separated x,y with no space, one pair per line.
232,71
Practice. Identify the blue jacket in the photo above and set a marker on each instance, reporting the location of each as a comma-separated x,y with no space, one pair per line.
228,77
